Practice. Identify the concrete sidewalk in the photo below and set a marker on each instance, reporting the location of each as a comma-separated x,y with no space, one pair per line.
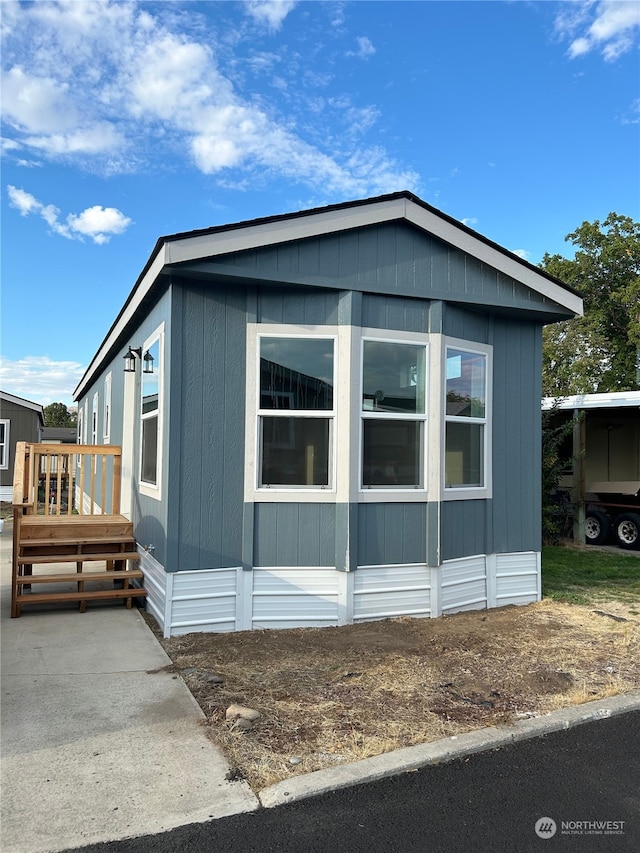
96,744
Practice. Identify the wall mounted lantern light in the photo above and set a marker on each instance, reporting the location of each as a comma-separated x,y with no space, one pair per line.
130,360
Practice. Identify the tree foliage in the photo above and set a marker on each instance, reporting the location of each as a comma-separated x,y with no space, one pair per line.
58,415
600,351
555,431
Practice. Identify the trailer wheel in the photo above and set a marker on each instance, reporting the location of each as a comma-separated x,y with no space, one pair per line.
627,528
597,527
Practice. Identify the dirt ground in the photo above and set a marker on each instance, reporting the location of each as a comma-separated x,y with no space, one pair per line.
334,695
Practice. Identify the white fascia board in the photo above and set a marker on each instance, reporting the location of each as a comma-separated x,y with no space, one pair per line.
138,294
477,248
328,222
612,400
290,228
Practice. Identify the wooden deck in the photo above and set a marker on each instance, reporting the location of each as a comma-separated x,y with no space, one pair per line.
99,546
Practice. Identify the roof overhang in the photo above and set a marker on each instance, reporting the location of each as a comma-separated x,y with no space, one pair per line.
20,401
223,240
612,400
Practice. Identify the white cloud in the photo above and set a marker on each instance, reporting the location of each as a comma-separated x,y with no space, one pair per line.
609,26
469,221
365,48
522,253
113,88
98,223
40,379
37,104
270,12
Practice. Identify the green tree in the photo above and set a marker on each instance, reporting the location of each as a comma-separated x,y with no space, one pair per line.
600,351
58,415
555,456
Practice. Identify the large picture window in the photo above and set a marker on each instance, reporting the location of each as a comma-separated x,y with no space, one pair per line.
296,412
151,418
393,410
465,419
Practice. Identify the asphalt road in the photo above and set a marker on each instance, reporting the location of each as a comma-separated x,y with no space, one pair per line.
580,779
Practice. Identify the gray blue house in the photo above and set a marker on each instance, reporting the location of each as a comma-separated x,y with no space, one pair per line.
328,417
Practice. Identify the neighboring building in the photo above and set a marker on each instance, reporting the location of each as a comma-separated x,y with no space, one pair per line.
334,417
59,435
20,420
602,478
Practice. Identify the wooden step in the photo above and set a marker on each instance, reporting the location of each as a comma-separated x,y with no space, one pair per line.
53,527
103,594
77,540
81,577
53,557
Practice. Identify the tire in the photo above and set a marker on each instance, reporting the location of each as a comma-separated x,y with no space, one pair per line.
627,530
597,527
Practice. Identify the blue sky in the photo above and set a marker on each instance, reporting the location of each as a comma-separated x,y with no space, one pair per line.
125,121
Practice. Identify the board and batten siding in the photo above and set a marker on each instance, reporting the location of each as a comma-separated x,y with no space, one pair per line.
206,429
392,258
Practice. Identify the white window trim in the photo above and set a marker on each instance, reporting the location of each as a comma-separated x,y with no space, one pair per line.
287,494
94,418
4,461
347,415
106,414
459,493
380,494
149,489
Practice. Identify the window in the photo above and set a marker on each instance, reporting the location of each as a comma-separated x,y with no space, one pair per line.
94,420
4,444
466,407
151,418
393,410
296,412
106,419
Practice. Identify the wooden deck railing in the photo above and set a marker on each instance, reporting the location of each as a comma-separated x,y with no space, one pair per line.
67,479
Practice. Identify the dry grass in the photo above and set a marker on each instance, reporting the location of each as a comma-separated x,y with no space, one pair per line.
334,695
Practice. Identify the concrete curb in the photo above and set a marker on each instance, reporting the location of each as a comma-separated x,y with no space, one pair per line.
414,757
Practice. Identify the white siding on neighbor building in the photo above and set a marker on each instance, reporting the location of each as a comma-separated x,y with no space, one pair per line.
380,592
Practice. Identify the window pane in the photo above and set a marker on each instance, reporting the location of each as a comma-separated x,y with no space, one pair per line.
150,381
296,373
391,454
295,451
393,377
466,383
464,455
150,450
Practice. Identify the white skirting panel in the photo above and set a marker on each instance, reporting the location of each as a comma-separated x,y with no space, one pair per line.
463,584
156,581
380,592
517,578
295,597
